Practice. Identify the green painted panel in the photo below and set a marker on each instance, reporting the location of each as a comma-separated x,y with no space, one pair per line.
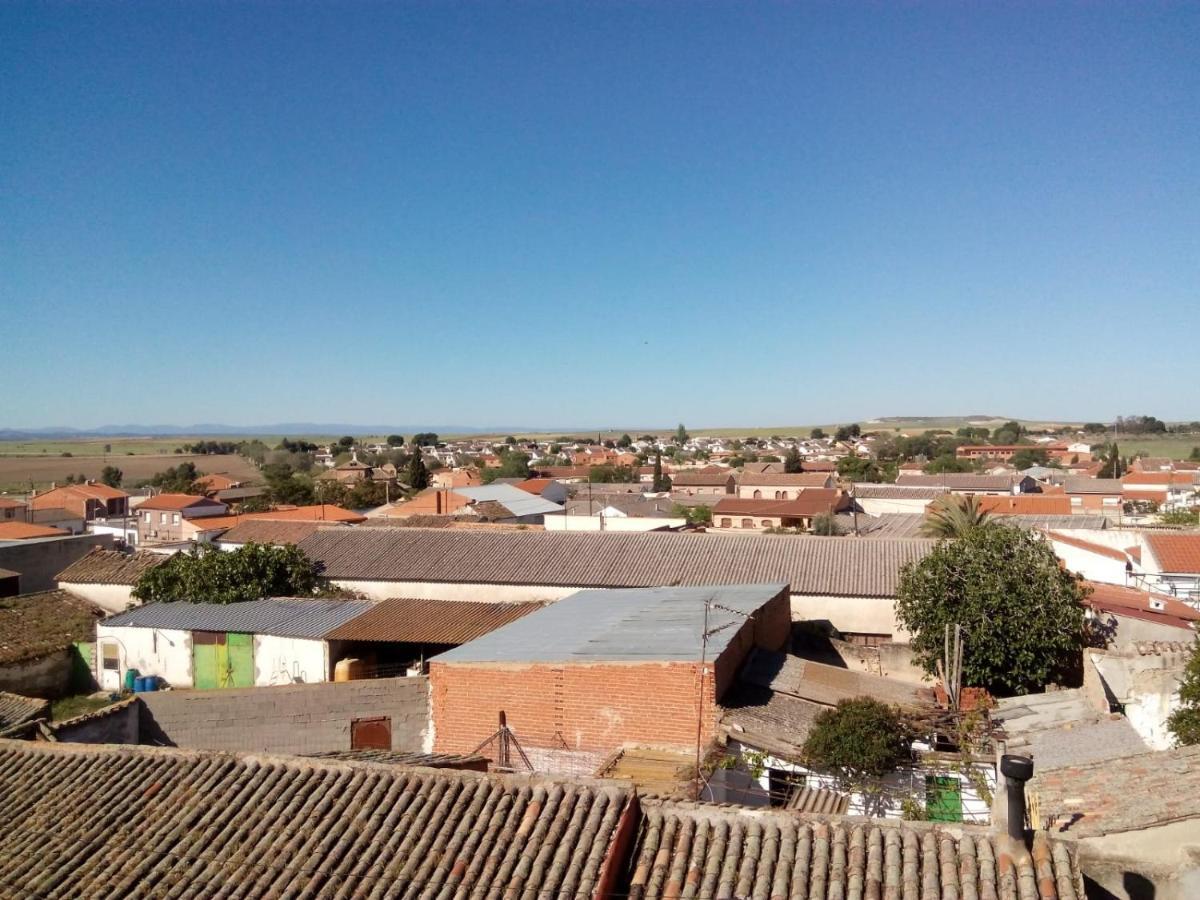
204,665
943,798
240,660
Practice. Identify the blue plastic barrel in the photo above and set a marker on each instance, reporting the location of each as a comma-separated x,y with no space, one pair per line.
139,684
151,682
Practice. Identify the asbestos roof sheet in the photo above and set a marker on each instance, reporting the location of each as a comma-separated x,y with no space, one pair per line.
430,621
283,618
716,851
268,531
15,709
83,820
811,565
871,491
110,567
641,624
960,481
825,684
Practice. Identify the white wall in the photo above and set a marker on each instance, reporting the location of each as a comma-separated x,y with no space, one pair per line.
870,615
286,660
436,590
878,507
165,652
113,598
609,523
1090,565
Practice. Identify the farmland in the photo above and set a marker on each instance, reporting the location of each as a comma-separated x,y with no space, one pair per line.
18,472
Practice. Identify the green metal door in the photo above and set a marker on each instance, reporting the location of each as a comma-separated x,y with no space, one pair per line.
943,798
239,669
204,658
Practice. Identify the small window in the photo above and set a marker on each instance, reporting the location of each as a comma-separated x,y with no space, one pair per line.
162,518
727,523
766,523
747,523
147,518
758,495
175,519
110,656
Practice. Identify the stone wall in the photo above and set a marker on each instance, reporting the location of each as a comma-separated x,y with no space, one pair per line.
293,718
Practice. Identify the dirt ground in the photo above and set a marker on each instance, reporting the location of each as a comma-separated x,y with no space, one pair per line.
16,472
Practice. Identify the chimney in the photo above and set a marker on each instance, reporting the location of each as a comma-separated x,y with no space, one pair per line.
1016,771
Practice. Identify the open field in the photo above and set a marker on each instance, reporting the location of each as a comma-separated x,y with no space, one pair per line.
16,472
138,446
1172,446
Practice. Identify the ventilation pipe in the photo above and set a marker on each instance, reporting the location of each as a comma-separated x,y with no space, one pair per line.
1016,771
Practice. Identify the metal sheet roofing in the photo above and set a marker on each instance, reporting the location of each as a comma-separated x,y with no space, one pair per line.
515,500
811,565
282,618
660,624
430,621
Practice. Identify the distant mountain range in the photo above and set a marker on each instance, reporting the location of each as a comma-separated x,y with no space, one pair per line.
215,430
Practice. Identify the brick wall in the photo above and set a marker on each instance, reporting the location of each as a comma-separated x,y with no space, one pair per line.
589,707
293,718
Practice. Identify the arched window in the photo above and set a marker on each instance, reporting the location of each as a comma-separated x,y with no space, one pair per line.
758,495
747,523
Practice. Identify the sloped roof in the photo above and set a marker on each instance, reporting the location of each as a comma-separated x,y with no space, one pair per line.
784,479
1139,604
722,851
1179,553
260,825
1027,505
1090,546
811,565
827,685
640,624
702,478
180,501
958,481
34,625
266,531
1079,484
812,501
872,491
430,621
110,567
23,531
518,502
281,617
16,709
406,758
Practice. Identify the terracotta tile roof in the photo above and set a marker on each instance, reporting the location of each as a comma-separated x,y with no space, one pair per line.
16,709
1027,505
818,465
217,481
812,501
430,621
22,531
259,531
271,826
1135,603
729,852
702,478
1176,552
412,758
34,625
1150,495
432,501
1081,544
535,485
110,567
785,479
1074,484
1120,795
179,501
8,503
322,512
812,565
1183,479
960,482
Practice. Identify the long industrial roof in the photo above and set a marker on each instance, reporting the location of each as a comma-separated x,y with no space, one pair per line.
660,624
282,618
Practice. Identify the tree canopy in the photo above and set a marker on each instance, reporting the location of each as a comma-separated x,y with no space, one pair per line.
792,462
681,435
857,740
1184,723
425,439
112,476
951,516
1021,612
660,483
180,479
252,572
417,474
395,440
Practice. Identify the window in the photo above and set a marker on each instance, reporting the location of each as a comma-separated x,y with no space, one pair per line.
175,519
780,495
110,656
767,523
147,518
747,523
758,495
726,523
162,518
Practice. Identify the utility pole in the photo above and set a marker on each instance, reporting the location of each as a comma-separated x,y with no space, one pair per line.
708,632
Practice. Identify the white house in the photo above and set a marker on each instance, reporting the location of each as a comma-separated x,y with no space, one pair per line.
107,577
208,645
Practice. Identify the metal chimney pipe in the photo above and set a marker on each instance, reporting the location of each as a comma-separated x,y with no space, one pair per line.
1016,771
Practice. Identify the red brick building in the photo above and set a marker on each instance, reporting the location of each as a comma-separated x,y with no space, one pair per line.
604,669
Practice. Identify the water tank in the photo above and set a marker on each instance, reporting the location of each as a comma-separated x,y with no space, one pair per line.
131,676
349,670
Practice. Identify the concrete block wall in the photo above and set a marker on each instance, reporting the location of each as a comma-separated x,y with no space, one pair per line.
575,706
294,718
39,561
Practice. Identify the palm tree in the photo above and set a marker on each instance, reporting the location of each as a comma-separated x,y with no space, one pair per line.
954,517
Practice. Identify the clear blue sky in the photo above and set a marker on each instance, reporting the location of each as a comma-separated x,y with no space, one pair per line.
597,214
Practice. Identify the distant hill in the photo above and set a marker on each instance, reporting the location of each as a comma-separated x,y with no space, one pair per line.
216,430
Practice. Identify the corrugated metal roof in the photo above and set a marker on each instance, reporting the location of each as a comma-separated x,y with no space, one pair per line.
515,500
430,621
811,565
283,618
627,624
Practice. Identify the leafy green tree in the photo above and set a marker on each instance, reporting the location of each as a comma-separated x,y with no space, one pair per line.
948,463
180,479
858,468
826,524
395,440
660,483
252,572
681,435
695,515
417,475
1034,456
857,741
1010,432
425,439
111,476
1184,723
346,442
792,462
1186,517
817,434
510,440
286,485
625,441
846,432
1195,454
1114,466
607,474
1021,611
953,517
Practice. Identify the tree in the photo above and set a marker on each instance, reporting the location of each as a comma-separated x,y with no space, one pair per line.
1186,517
1184,723
695,515
111,476
858,468
180,479
252,572
346,442
1010,432
817,434
285,485
826,524
625,441
681,435
607,474
1021,611
395,440
510,440
792,462
947,463
858,741
1195,453
1034,456
417,475
1113,465
425,439
660,483
953,517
